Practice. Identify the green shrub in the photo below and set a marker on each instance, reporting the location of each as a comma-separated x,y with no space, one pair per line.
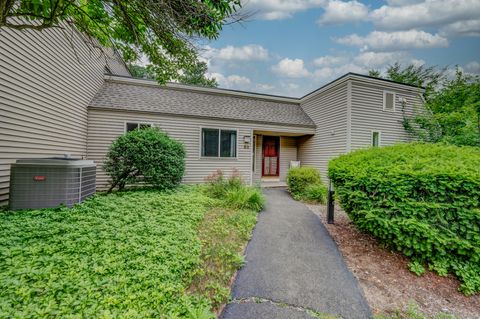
422,199
233,192
305,183
147,155
316,193
299,178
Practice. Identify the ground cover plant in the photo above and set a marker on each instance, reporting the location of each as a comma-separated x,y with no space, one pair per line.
132,254
305,183
146,155
421,199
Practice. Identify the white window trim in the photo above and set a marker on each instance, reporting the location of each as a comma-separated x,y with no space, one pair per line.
385,100
379,138
218,157
138,124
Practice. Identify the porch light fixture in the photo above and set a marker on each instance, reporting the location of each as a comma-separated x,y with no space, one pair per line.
247,139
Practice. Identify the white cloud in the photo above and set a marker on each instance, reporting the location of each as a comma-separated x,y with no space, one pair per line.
361,63
378,59
329,60
472,67
291,68
404,15
392,41
280,9
248,52
264,87
462,28
338,12
417,62
330,73
402,2
232,81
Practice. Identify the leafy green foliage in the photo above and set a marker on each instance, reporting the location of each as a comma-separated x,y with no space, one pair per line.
416,267
139,71
196,75
305,183
418,75
233,191
145,155
316,193
135,254
453,105
455,113
422,199
224,234
163,31
127,254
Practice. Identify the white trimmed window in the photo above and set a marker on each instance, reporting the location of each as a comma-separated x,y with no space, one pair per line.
219,142
389,101
131,126
376,138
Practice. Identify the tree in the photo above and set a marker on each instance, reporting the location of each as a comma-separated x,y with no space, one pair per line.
456,109
139,71
453,105
374,73
163,30
421,76
194,76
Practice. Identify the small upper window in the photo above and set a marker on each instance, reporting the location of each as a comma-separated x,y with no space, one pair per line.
389,101
375,139
219,143
136,126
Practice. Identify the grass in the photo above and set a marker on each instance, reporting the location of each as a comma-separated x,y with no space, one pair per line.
137,254
223,233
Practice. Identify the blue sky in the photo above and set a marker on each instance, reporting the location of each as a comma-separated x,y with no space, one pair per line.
292,47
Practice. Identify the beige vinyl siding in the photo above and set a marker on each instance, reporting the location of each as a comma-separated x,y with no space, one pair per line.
288,152
368,114
45,88
106,125
328,110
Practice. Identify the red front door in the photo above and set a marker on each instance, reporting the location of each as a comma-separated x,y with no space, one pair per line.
270,152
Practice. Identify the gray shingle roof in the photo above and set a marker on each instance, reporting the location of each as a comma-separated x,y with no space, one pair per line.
131,96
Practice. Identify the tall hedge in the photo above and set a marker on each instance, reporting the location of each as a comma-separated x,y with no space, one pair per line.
422,199
146,155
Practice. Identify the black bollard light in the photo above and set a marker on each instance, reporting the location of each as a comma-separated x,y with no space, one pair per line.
330,204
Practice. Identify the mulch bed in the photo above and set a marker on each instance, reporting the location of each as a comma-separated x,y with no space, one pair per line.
386,281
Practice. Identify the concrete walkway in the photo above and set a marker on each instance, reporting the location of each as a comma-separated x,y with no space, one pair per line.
294,269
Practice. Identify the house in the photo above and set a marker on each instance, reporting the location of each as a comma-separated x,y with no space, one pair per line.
59,94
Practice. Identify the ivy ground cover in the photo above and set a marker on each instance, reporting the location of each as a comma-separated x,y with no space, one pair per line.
136,254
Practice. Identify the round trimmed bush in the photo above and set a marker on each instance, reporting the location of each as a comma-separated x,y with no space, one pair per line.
146,155
421,199
305,183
